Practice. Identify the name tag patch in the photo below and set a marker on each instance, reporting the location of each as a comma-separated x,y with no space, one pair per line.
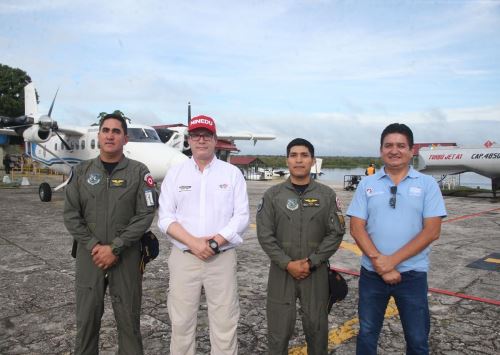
184,188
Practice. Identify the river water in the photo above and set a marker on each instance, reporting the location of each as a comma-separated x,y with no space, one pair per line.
469,179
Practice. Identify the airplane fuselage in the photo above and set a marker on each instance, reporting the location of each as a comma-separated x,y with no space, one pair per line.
442,161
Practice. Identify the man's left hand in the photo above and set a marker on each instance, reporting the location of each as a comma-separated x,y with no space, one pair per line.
103,257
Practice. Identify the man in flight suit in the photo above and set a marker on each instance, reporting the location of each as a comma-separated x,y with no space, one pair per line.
110,203
299,225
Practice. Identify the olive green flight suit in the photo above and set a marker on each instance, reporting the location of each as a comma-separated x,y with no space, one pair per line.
113,210
292,227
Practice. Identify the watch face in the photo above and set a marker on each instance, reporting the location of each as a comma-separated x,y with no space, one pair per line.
213,244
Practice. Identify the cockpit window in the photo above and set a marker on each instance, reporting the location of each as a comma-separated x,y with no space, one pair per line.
142,135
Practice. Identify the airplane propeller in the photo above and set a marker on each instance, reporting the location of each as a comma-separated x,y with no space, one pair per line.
45,122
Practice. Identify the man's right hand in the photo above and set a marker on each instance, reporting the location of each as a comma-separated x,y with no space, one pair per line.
200,248
392,277
299,269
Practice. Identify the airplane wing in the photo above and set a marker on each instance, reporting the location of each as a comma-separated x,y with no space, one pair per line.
453,170
69,131
73,131
246,136
8,132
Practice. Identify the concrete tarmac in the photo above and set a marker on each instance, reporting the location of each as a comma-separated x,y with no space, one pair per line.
37,301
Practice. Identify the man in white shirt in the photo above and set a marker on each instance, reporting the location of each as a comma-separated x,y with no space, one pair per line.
203,211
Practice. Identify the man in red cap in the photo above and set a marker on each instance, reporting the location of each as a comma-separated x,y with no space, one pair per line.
203,211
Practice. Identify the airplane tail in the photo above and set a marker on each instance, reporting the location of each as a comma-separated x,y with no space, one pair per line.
30,103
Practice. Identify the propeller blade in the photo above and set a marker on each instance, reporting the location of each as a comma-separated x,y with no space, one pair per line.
63,141
52,105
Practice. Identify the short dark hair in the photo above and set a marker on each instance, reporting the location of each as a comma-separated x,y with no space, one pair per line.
400,128
116,116
300,141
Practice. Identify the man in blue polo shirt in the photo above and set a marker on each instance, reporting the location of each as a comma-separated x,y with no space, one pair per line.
395,216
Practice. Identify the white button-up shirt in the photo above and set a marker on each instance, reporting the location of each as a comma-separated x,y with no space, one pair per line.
205,203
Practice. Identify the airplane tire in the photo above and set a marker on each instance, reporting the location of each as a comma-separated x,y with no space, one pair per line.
45,192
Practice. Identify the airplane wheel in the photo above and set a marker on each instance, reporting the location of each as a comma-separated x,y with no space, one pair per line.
45,192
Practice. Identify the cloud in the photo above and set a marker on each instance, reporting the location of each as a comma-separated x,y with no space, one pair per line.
335,72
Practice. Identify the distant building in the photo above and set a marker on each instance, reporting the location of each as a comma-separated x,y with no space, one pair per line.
252,168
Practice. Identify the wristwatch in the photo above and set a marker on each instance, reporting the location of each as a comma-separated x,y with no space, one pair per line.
212,243
311,266
115,249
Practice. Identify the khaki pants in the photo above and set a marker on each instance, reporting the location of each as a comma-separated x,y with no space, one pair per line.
217,275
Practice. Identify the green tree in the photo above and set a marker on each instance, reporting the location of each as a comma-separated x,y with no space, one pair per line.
12,83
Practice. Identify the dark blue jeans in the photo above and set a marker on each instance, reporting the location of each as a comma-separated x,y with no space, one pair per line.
411,298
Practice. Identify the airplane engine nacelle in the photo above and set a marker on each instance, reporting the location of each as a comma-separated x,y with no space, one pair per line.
37,135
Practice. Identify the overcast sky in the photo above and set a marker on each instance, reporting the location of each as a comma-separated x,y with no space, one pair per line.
334,72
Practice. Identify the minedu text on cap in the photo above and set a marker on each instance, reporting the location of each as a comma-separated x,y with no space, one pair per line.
202,122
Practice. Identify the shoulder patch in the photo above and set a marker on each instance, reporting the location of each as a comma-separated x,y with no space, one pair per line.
149,180
340,205
260,205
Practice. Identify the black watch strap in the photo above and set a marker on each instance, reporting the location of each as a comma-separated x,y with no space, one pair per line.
311,266
214,245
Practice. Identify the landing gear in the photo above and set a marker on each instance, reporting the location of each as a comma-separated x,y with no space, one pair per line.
45,192
495,185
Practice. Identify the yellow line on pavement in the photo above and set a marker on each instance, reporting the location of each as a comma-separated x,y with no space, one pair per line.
492,260
253,225
345,332
352,247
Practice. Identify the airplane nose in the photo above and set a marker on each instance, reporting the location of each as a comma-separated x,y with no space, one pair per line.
164,158
159,158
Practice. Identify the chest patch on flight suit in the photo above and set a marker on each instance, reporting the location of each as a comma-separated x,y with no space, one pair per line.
310,202
150,200
292,204
94,179
118,183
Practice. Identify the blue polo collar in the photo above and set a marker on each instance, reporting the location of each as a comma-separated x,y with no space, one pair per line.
412,173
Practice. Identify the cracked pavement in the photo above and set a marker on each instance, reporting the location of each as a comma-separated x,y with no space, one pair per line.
37,285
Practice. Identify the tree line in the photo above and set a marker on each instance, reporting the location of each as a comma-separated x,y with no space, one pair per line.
277,161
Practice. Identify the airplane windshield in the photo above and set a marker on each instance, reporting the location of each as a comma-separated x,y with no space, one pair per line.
142,135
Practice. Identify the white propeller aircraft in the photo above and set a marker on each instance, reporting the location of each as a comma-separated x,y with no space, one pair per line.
61,147
483,160
176,136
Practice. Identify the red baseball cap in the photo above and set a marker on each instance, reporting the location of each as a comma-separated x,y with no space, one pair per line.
202,122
